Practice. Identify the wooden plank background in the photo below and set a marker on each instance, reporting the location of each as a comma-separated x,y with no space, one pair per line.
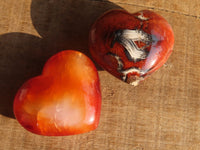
163,113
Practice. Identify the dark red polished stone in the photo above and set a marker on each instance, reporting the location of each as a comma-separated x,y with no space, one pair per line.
64,100
131,46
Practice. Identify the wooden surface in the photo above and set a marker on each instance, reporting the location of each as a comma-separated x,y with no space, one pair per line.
163,113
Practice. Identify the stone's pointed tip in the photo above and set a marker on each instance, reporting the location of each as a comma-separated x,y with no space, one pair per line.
134,80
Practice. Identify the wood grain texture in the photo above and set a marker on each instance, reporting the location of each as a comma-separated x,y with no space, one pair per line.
162,113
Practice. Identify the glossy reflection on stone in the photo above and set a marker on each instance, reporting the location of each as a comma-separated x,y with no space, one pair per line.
131,46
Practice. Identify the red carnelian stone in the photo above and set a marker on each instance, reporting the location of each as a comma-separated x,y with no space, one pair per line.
64,100
131,46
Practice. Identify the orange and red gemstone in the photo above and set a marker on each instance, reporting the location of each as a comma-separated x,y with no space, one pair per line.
131,46
64,100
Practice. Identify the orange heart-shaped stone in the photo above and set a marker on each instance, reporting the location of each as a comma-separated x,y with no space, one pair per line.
64,100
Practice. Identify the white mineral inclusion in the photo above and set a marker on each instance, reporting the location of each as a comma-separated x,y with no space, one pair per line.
142,17
128,37
61,114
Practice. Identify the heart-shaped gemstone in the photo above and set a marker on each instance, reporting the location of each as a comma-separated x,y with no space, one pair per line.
131,46
64,100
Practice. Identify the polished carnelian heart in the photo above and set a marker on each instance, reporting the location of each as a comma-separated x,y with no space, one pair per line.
64,100
131,46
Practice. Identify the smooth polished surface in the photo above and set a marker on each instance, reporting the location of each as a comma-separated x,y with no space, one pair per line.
131,46
64,100
161,113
